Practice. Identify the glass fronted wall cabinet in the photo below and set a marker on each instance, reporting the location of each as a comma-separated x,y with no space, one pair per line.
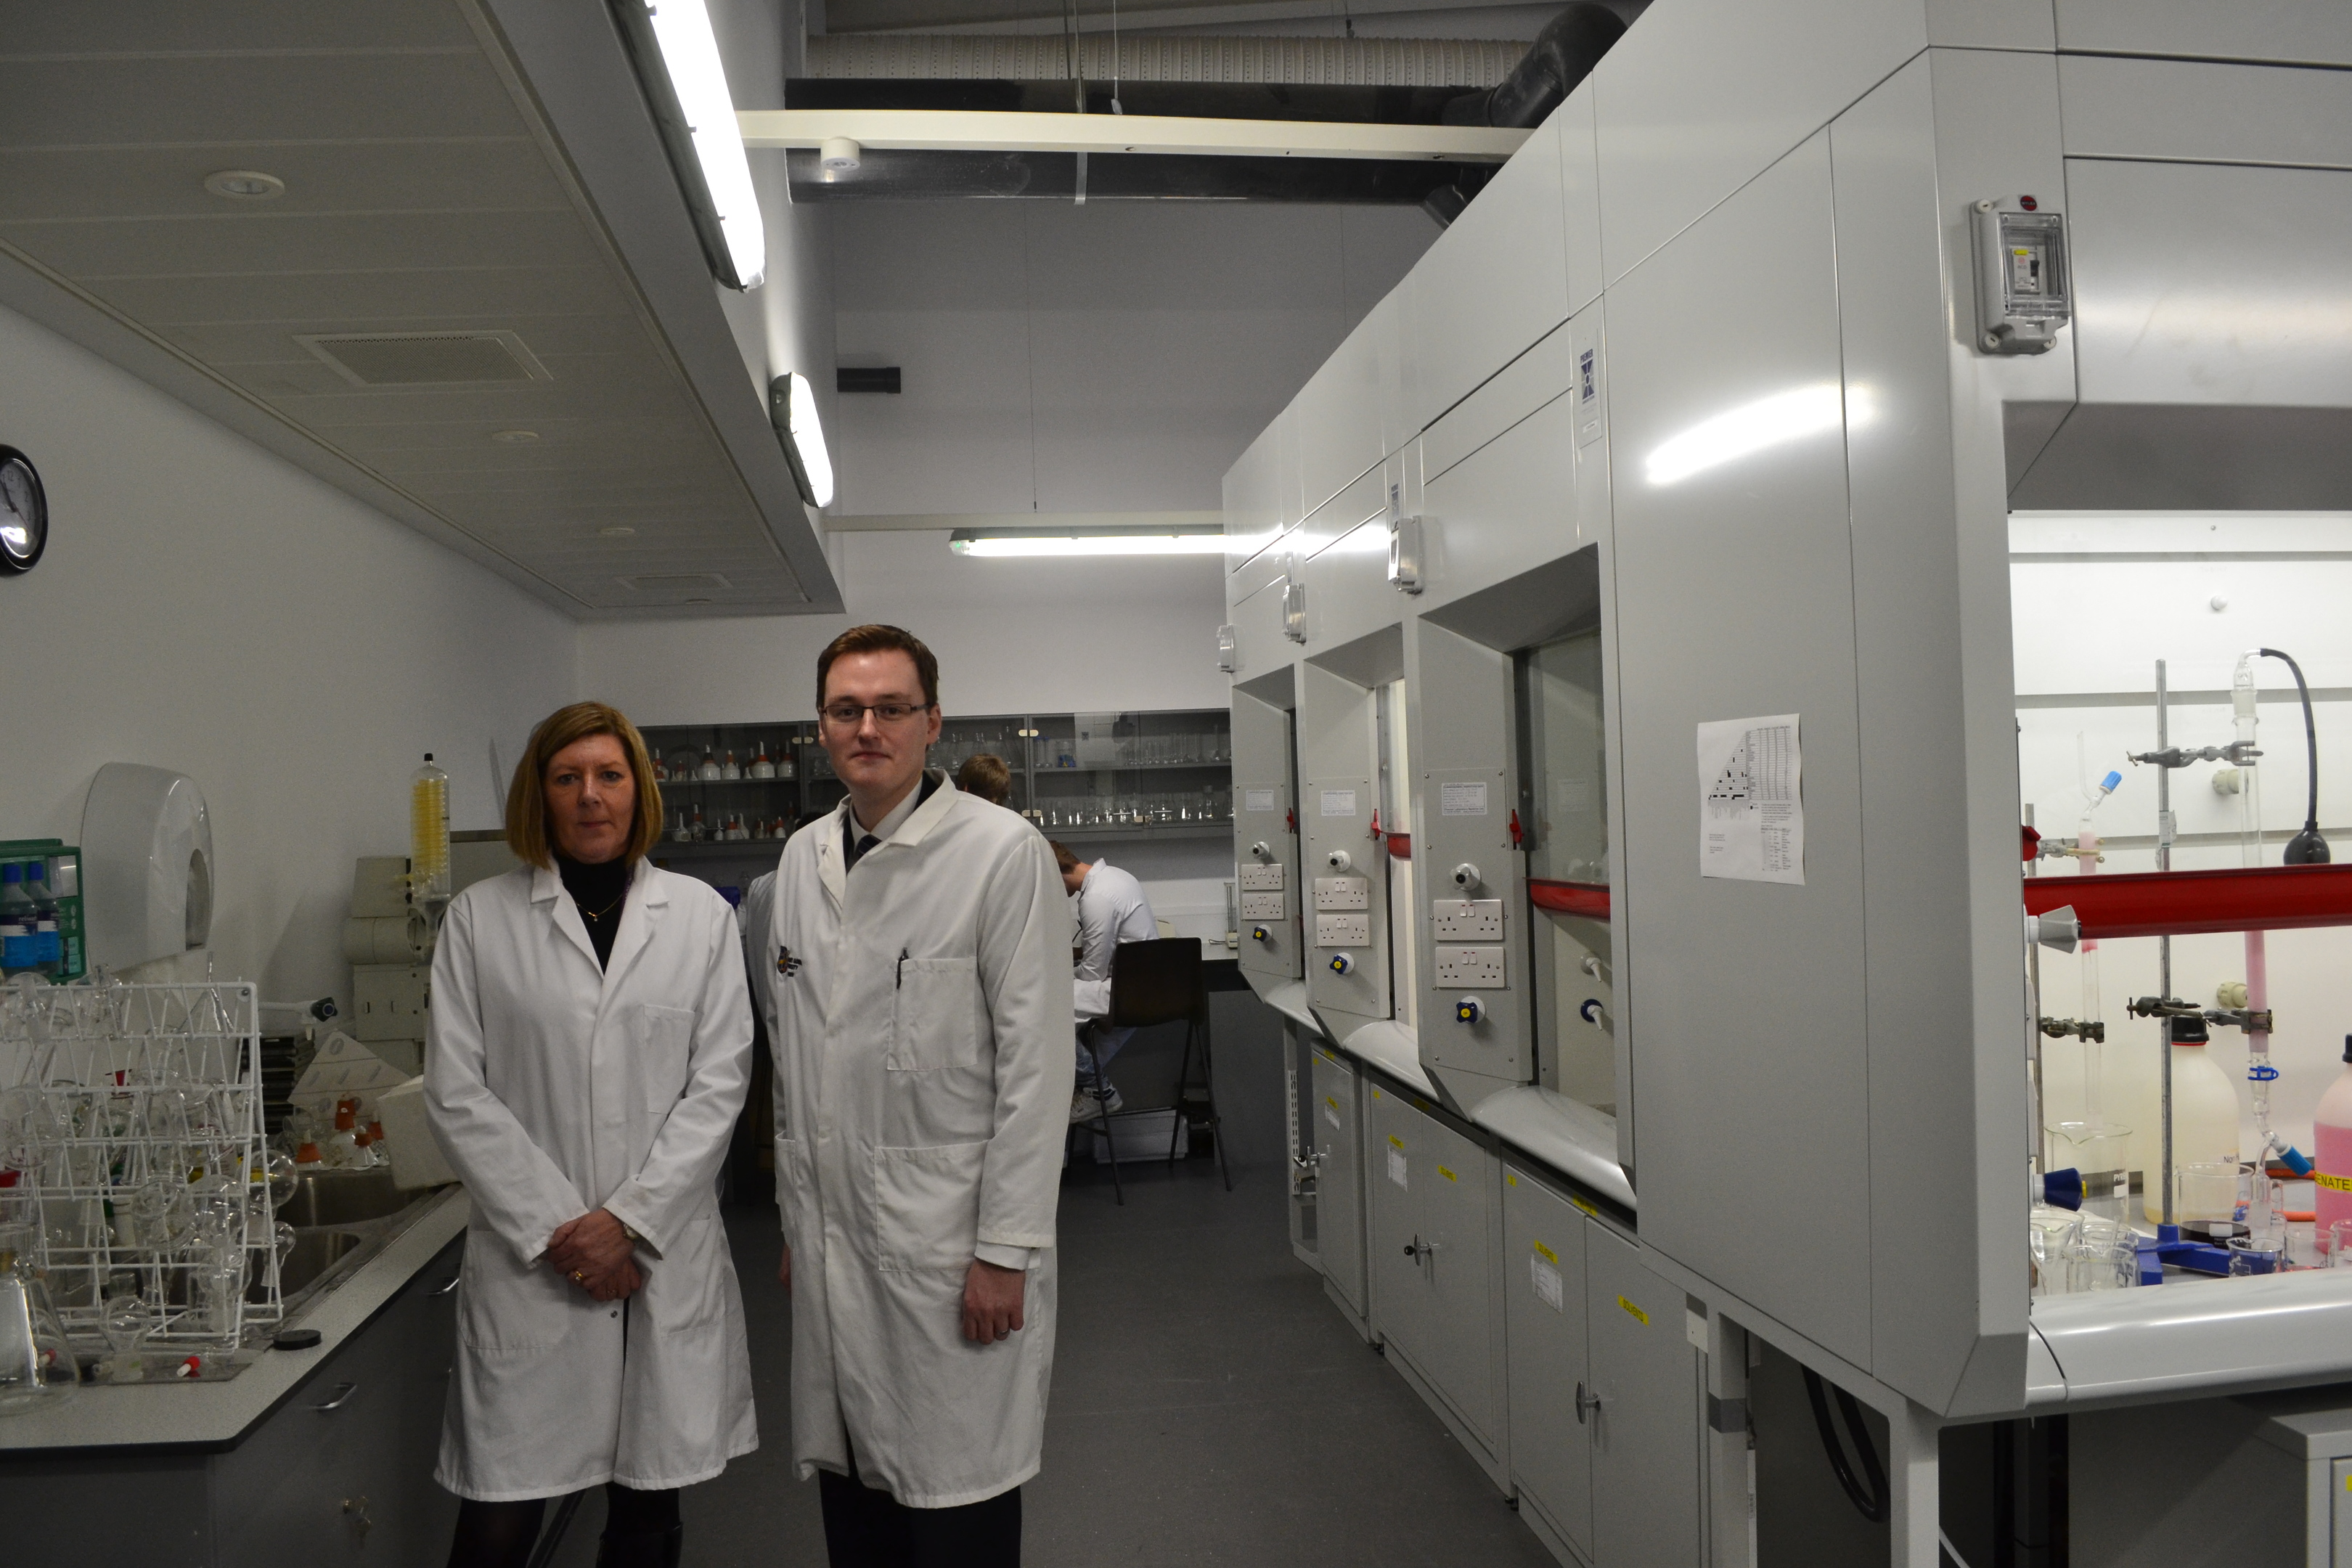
1091,777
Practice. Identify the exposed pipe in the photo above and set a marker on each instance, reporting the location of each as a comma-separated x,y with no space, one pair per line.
1562,55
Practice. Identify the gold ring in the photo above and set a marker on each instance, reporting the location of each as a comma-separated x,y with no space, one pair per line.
578,1277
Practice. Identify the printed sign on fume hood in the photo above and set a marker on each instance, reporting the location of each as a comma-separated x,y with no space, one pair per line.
1751,807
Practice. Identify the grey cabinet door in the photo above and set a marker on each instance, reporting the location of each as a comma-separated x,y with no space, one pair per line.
1645,1435
280,1496
1545,1311
1336,1139
1457,1212
1396,1167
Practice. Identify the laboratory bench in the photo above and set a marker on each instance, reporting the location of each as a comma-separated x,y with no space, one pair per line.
314,1456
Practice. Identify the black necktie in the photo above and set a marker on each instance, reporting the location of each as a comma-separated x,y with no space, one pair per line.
856,851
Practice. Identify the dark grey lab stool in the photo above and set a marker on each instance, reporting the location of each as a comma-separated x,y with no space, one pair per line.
1161,983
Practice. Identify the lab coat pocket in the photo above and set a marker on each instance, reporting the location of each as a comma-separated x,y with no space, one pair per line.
664,1044
506,1307
936,1012
927,1205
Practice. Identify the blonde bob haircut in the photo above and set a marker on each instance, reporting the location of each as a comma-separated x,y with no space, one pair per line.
526,833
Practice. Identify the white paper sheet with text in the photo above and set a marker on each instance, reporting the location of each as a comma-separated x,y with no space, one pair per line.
1751,809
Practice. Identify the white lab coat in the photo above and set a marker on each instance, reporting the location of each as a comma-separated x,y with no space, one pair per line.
923,1066
554,1089
1110,907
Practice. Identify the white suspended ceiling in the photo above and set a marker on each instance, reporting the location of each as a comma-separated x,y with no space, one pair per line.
472,190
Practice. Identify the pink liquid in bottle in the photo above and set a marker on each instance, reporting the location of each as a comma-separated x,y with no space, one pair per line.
2332,1132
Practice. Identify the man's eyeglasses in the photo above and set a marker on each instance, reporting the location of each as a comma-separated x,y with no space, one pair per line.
849,715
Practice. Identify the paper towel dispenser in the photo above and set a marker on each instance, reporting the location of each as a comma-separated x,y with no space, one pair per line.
147,865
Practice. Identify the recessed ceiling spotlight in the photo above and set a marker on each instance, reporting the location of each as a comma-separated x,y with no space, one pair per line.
618,531
244,186
513,437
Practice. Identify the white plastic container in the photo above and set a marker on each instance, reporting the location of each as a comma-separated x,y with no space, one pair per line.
2204,1117
2332,1135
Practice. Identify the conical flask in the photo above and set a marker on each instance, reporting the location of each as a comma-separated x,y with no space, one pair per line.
37,1369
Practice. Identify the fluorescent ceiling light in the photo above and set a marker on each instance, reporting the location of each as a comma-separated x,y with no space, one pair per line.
686,85
1120,541
791,406
1740,432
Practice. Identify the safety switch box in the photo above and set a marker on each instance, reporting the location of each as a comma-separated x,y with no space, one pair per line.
1466,919
1472,968
1343,893
1344,931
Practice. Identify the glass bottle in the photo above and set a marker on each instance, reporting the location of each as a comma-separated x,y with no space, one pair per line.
728,769
761,768
709,769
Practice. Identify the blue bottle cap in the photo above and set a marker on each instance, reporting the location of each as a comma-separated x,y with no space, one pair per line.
2062,1189
2109,782
14,871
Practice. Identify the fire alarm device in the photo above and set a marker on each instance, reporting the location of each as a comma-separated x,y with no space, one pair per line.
2024,293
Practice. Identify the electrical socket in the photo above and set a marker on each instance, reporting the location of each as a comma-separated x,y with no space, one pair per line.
1466,919
1343,893
1261,907
1345,930
1264,877
1472,969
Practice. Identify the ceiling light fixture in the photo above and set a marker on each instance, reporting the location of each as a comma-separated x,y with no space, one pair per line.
791,408
618,531
513,437
244,186
676,59
1008,542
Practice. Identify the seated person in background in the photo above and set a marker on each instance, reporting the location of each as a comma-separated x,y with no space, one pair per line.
987,776
1110,908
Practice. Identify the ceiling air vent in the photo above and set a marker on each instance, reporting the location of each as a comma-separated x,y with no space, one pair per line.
676,583
427,359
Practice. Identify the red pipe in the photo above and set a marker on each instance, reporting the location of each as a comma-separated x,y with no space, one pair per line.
1587,899
2194,903
2132,903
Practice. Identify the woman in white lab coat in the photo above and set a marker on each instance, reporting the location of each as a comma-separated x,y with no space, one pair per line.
590,1037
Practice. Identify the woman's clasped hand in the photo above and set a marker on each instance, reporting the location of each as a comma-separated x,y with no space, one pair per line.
595,1254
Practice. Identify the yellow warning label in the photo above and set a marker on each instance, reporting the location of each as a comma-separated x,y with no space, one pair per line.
1509,1180
1375,1094
1546,1253
1395,1142
1585,1204
1331,1102
1639,1316
1447,1174
2333,1183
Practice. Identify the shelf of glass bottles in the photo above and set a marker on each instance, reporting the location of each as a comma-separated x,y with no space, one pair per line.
1131,775
1135,774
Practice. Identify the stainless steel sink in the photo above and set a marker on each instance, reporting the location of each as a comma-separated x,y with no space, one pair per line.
342,1198
316,1255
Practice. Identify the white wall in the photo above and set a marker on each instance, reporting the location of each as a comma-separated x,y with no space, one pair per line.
1012,636
206,607
2089,627
1112,357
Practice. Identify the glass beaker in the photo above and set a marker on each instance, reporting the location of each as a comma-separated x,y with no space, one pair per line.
2206,1190
2249,1255
37,1369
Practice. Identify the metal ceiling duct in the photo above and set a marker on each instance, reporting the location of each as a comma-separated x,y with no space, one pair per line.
1395,81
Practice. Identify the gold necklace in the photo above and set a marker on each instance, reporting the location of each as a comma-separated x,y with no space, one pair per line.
608,909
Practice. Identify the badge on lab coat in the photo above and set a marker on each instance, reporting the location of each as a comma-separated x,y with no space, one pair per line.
788,963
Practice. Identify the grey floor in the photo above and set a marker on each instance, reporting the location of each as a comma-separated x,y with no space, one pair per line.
1209,1407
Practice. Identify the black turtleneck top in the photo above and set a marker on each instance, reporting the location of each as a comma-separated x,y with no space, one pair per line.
598,891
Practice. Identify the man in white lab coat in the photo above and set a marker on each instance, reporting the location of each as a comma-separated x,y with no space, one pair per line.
920,980
1110,907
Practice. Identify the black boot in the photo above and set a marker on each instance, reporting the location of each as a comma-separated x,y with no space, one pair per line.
641,1548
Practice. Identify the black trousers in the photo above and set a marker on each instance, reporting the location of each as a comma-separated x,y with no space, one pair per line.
865,1528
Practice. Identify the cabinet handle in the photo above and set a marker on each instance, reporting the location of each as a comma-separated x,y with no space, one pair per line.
1587,1403
342,1396
445,1287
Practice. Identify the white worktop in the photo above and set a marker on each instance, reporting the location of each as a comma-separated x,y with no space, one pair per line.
218,1414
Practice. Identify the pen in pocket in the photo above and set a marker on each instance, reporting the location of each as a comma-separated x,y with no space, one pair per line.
899,982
